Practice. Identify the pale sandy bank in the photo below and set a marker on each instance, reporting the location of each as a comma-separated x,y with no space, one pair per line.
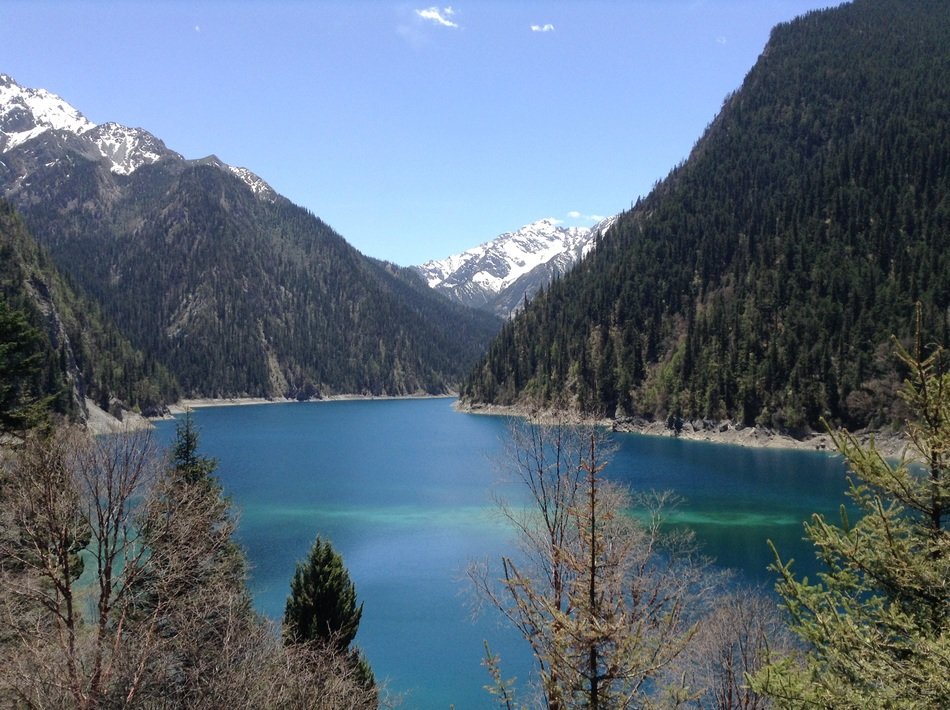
888,444
98,421
184,405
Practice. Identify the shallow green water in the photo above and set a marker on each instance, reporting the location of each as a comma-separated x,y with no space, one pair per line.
403,489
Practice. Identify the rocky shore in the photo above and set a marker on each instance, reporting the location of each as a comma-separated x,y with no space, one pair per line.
889,444
98,421
184,405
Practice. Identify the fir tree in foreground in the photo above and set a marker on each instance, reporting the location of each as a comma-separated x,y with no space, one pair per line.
322,608
877,621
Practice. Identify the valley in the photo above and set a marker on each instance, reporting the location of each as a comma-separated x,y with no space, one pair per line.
783,292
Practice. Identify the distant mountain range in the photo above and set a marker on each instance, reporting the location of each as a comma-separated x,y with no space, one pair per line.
219,280
762,280
26,114
500,274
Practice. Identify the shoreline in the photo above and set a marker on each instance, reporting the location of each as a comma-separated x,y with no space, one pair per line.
890,445
183,405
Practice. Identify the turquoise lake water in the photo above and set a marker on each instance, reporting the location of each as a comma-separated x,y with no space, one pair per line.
403,489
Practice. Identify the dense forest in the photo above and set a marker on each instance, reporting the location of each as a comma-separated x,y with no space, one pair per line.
762,280
121,584
237,293
82,353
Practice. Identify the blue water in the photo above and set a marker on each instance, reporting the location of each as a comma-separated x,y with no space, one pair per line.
403,490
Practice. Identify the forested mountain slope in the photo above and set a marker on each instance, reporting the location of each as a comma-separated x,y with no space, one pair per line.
762,279
233,288
80,353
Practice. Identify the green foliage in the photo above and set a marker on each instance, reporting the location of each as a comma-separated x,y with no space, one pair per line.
190,466
78,351
322,608
21,407
237,294
760,280
877,621
322,602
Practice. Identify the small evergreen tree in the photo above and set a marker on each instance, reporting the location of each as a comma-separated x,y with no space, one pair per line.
877,623
322,601
322,607
189,466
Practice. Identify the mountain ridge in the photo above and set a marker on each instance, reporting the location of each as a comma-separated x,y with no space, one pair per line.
763,280
500,274
235,289
27,113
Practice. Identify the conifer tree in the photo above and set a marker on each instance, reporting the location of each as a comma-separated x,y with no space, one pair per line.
322,607
877,621
188,464
322,601
20,362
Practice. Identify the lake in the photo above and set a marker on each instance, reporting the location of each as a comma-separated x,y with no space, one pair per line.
403,489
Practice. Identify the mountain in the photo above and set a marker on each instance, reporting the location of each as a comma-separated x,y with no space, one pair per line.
762,280
233,288
85,361
498,275
26,114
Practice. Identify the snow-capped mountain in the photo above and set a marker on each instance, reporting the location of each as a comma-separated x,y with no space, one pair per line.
27,114
223,286
498,274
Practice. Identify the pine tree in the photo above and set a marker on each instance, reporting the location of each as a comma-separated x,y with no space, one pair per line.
322,601
21,360
322,607
189,465
876,622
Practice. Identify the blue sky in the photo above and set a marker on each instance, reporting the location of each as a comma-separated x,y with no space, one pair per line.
416,131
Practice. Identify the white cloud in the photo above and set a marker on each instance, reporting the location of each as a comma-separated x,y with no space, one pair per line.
721,40
574,214
440,17
548,27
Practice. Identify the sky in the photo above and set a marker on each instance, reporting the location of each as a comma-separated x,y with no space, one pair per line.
416,131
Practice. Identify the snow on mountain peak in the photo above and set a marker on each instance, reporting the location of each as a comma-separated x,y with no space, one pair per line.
487,275
27,113
257,185
128,148
503,260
